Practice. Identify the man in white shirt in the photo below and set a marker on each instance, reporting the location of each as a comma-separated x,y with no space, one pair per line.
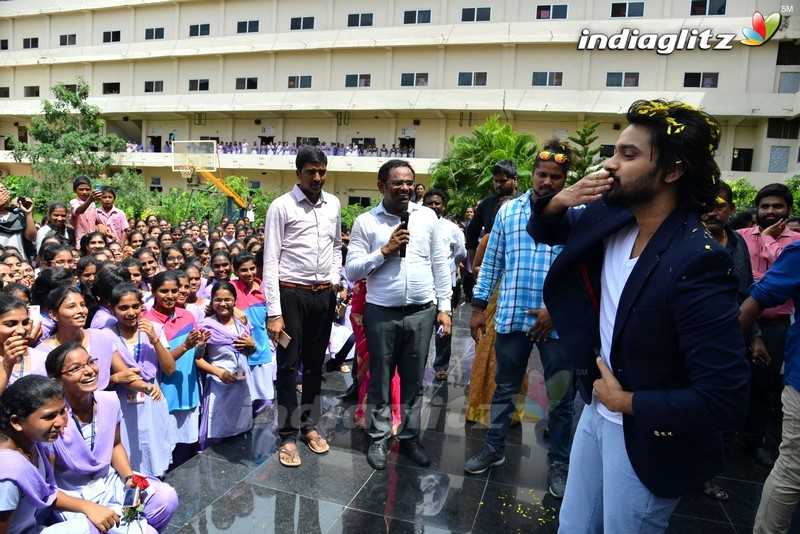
453,238
302,260
396,246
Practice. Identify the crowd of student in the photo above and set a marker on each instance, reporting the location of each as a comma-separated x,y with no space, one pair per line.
283,148
126,346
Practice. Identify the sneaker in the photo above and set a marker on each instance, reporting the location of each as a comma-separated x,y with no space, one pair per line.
557,479
482,461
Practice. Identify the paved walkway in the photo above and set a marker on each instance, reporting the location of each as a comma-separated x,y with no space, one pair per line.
239,486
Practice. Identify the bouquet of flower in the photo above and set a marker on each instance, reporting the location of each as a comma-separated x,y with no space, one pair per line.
132,513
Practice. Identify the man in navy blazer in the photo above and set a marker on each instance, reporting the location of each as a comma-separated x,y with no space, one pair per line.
645,300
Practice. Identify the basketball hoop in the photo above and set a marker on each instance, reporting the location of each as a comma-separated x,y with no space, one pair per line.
187,172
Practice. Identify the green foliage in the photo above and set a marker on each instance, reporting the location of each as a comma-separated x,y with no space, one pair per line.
351,212
585,156
744,193
793,184
465,173
21,185
133,196
69,142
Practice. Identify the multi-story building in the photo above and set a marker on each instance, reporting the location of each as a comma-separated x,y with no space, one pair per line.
410,73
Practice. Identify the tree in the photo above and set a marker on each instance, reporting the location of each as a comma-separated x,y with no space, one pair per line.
744,193
465,173
585,156
793,184
69,141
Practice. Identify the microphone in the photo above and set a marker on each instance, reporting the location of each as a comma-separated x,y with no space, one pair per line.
404,224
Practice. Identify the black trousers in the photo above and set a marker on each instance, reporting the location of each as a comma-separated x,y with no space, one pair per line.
308,317
765,383
396,339
443,343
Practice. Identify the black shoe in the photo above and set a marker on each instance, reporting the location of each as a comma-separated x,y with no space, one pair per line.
416,452
331,366
762,456
350,394
376,457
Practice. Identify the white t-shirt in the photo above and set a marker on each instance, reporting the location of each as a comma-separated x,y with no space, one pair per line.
617,267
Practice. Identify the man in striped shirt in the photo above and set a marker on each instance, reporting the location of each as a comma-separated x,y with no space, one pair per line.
520,266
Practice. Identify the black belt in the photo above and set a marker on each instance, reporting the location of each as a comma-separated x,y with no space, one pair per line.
407,310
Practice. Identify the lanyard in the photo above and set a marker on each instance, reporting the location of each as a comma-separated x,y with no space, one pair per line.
236,326
137,349
94,420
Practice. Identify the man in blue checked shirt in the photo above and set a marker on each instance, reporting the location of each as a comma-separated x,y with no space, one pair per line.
519,264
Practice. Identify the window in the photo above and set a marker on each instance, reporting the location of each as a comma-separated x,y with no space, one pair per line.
3,44
476,14
5,92
627,9
788,53
359,19
622,79
200,84
254,185
30,42
607,151
111,88
700,79
420,16
742,159
707,7
299,82
547,79
69,39
247,26
783,129
414,79
155,86
31,90
301,23
789,82
357,80
71,87
112,36
364,202
246,83
778,159
153,33
198,30
551,11
466,79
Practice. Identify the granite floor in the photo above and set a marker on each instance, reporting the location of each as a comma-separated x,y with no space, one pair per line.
239,485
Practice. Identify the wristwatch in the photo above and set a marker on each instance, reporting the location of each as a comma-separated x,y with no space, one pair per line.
448,312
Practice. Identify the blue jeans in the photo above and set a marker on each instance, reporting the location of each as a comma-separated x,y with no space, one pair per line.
513,351
603,492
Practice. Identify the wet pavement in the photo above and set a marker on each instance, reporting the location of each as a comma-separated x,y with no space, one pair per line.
239,485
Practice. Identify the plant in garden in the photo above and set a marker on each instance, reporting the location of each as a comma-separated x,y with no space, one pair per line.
586,159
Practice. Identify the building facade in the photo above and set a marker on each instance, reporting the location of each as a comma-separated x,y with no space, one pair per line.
410,74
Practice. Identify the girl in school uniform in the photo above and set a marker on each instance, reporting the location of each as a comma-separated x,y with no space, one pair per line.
144,418
33,414
181,389
90,460
227,406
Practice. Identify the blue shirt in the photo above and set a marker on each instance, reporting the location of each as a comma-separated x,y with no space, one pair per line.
780,282
520,264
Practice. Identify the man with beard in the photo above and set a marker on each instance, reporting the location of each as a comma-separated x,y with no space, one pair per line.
520,264
716,221
766,240
397,248
504,179
645,302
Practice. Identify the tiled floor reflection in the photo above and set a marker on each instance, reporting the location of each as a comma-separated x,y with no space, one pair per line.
239,486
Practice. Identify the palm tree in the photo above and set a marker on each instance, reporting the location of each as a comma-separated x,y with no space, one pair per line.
465,173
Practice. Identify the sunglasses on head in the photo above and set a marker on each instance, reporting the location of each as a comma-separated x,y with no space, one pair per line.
557,157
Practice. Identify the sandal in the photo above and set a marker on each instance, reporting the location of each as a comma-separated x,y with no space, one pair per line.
344,368
315,442
289,457
714,491
441,375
